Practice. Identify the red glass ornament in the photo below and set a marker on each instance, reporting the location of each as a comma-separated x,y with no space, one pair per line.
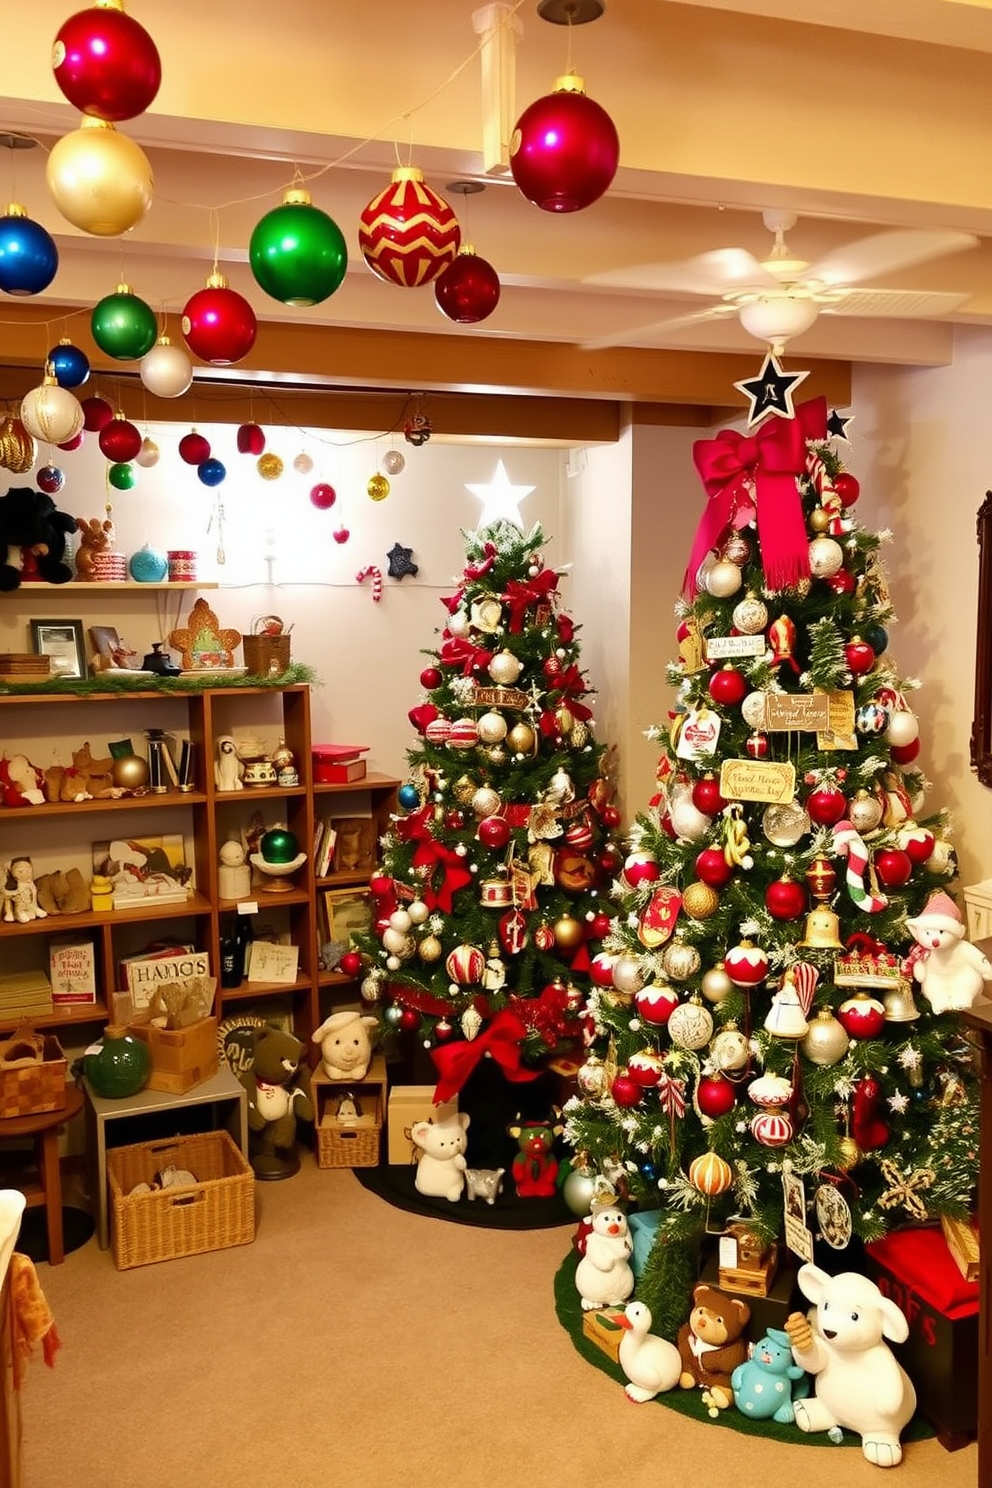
467,291
713,868
728,686
494,831
646,1068
350,963
757,746
746,965
656,1004
96,413
641,868
848,488
625,1091
904,754
120,440
251,439
610,817
106,64
431,677
443,1030
544,938
609,861
409,1020
860,656
194,448
601,969
599,925
706,796
565,150
219,325
551,667
380,886
862,1016
786,899
920,846
50,479
74,442
341,534
407,233
826,806
893,867
842,582
323,496
715,1095
454,820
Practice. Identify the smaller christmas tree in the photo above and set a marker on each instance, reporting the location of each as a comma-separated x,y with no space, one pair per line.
488,905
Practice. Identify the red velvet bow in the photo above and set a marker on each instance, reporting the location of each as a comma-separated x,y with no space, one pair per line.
453,601
502,1039
571,685
459,652
422,715
476,570
767,463
432,854
520,595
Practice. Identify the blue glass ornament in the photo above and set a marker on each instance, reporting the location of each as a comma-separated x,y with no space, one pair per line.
877,637
408,797
211,472
146,566
648,1171
28,255
70,365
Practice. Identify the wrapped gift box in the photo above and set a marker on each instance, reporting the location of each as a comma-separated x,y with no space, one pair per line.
407,1104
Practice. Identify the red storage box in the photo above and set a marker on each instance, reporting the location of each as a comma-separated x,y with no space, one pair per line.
336,764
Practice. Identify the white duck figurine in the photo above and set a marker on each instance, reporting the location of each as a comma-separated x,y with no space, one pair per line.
651,1364
952,971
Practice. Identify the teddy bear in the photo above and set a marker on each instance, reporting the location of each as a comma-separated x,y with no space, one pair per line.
535,1167
278,1085
94,537
345,1045
63,893
33,535
603,1276
858,1382
768,1383
950,970
441,1165
711,1344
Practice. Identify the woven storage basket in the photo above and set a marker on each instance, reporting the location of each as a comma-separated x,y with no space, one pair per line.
29,1086
217,1211
265,654
354,1144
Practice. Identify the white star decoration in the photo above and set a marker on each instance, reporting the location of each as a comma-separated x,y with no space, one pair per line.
500,500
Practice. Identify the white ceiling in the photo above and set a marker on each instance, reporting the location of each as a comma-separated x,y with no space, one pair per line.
857,114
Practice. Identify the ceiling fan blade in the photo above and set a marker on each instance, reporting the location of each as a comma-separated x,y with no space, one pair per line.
894,304
644,332
706,273
885,252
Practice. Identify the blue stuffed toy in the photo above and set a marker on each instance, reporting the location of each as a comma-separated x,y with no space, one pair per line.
767,1384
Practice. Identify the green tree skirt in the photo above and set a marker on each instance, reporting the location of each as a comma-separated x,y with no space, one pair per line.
690,1402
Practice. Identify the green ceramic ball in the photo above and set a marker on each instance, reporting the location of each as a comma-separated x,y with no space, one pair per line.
278,846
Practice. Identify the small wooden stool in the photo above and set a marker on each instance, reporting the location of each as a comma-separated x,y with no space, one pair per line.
44,1129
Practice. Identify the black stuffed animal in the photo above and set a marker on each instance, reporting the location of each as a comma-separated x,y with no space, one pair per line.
33,532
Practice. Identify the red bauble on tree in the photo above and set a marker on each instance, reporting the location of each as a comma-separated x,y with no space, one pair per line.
350,963
219,325
430,678
409,1020
564,151
601,969
757,746
599,925
715,1095
467,291
106,64
494,831
826,805
728,686
641,868
745,964
646,1068
893,867
194,448
119,440
842,582
904,754
785,899
847,487
625,1090
610,817
407,233
919,845
861,1016
656,1004
706,796
712,868
860,656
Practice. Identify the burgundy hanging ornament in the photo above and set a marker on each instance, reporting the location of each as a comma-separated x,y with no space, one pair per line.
467,291
119,440
251,440
194,448
564,150
218,324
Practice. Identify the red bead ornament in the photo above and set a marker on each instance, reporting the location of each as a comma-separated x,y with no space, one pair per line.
610,817
467,291
564,151
745,964
106,64
860,656
218,324
494,831
904,754
608,861
194,448
641,868
826,806
893,867
715,1095
861,1016
785,899
97,412
625,1090
848,488
842,582
920,845
430,678
544,939
323,496
756,746
706,796
251,440
713,868
599,925
407,233
656,1004
119,440
350,963
728,686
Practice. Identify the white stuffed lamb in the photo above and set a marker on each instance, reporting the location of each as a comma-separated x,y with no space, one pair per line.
859,1383
345,1046
441,1169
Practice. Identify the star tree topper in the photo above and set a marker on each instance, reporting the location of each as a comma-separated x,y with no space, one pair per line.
500,500
770,393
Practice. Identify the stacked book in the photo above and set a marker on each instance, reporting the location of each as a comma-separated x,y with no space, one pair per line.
24,995
24,666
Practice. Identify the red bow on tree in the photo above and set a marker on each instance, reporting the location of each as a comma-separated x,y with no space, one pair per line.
748,474
520,595
432,854
459,652
571,685
476,570
502,1039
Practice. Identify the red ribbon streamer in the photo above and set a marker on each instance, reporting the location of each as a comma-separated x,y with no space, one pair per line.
520,595
733,466
502,1039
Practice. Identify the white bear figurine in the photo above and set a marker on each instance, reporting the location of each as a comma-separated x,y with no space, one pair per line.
345,1048
441,1168
859,1383
951,970
603,1276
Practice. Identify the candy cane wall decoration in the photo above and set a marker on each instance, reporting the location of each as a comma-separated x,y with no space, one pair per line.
847,843
375,574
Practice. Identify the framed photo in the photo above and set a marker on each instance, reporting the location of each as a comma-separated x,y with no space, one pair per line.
349,913
62,641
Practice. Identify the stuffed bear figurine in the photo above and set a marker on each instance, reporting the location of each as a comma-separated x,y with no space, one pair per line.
441,1166
711,1344
94,537
33,535
278,1086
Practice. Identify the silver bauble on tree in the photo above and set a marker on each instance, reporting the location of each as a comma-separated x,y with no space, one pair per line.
826,1041
579,1190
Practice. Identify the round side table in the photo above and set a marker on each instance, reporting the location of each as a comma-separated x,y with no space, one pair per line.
44,1130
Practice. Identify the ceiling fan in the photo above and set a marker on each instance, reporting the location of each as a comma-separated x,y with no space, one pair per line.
780,296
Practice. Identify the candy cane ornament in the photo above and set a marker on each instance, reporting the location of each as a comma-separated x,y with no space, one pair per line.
375,574
847,843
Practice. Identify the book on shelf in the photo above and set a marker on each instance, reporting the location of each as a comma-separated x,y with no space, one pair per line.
145,869
72,969
335,764
325,854
340,774
25,994
140,975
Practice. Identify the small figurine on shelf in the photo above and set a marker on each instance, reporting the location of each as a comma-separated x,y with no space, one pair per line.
20,897
234,874
101,893
950,970
228,769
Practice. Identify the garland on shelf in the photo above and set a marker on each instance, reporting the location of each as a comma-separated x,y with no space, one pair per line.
106,682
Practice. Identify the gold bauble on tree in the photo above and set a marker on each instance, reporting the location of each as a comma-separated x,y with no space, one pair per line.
429,948
100,180
700,901
522,739
850,1154
464,789
505,668
568,933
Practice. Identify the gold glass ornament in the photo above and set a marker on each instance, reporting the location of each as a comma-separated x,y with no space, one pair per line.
100,180
628,975
269,466
826,1041
50,412
681,961
485,801
711,1174
723,579
864,811
565,719
464,789
730,1049
579,735
819,519
691,1025
825,557
850,1154
568,933
522,739
378,487
737,548
505,668
487,614
716,984
497,754
700,901
821,878
751,615
591,1077
130,772
429,948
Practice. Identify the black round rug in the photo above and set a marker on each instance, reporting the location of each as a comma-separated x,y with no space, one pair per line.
32,1241
508,1212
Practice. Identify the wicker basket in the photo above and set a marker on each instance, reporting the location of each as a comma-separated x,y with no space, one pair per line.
354,1144
217,1211
30,1085
266,655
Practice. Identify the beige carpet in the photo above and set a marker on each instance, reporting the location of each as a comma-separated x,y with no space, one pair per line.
357,1344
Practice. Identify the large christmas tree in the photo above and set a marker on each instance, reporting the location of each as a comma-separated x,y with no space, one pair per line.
493,880
754,1008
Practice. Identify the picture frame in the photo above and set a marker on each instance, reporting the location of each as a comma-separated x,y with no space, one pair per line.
349,913
63,642
354,845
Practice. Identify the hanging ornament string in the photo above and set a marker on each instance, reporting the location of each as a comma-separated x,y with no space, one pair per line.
375,574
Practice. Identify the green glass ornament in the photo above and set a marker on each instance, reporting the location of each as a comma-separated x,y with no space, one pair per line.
297,253
123,326
278,846
122,477
119,1065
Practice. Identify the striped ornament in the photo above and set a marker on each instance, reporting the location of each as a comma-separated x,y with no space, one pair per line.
408,233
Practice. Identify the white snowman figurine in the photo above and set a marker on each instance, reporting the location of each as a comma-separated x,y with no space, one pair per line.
603,1276
951,971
